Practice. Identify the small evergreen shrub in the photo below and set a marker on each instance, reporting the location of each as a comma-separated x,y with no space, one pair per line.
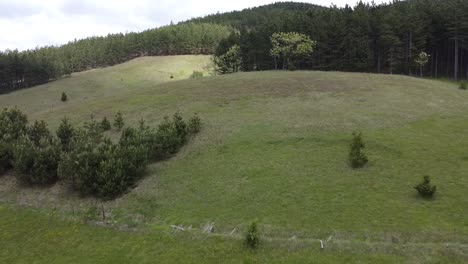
13,125
118,121
292,67
425,188
357,158
39,132
172,76
36,164
64,97
463,86
79,166
196,74
105,124
65,133
93,130
6,156
170,136
180,127
194,125
252,238
36,156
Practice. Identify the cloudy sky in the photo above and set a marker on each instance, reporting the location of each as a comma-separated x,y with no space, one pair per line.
26,24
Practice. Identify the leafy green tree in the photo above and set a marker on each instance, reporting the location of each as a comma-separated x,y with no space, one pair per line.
290,45
422,60
229,62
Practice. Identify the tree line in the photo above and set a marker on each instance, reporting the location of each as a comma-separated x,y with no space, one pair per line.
33,67
385,38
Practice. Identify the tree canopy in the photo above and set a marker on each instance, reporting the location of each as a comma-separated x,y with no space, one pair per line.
289,46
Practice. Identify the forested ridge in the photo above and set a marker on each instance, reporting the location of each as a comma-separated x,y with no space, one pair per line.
383,38
33,67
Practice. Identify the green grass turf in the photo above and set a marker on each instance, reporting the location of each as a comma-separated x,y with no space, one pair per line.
274,148
31,237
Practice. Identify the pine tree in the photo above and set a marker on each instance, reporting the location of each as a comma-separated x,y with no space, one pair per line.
105,124
357,158
65,133
118,121
64,97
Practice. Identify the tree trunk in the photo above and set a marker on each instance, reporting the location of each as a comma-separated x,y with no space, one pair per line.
455,72
391,62
378,63
436,64
410,52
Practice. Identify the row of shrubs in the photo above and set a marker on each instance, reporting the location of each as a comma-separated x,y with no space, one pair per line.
82,156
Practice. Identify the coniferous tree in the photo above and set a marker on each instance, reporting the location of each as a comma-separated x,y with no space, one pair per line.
118,121
357,158
64,97
65,133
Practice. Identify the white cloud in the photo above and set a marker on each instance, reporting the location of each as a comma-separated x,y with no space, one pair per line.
30,23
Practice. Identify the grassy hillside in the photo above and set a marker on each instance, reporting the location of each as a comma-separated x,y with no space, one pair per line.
90,88
273,148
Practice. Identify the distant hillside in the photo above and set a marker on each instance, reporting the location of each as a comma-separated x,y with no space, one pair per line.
386,38
253,17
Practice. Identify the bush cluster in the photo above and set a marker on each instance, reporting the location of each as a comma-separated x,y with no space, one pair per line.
29,149
64,97
91,163
463,86
252,238
35,163
196,74
425,188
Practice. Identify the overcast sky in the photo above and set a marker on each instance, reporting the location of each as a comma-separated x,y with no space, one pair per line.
25,24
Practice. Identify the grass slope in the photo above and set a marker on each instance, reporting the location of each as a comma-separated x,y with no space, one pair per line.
274,148
90,88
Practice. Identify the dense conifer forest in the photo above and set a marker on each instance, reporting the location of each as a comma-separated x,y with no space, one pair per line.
384,38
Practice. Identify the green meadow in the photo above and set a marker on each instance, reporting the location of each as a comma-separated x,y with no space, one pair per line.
273,148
